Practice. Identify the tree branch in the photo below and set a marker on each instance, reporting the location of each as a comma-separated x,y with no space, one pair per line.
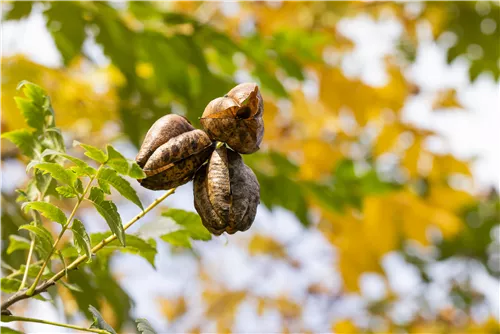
45,285
9,318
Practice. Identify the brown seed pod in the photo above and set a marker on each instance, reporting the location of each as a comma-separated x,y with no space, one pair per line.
161,131
172,152
236,118
226,193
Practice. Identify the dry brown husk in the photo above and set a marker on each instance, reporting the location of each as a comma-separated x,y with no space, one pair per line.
226,193
236,118
172,152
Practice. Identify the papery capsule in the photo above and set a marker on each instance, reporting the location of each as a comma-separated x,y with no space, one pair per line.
236,118
226,193
161,131
172,152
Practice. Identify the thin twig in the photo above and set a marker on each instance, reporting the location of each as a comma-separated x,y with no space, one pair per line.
59,237
21,295
9,318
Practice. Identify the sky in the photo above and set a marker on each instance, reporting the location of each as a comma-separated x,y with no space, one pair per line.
468,133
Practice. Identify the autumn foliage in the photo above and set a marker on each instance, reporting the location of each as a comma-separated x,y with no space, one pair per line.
340,160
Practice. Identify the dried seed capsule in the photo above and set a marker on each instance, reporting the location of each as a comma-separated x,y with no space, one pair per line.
236,118
172,152
161,131
226,193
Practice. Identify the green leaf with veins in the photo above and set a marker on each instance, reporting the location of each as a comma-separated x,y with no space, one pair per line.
48,210
99,321
190,222
10,285
58,172
135,245
109,212
81,239
144,327
66,191
44,239
93,152
83,167
17,242
111,177
24,140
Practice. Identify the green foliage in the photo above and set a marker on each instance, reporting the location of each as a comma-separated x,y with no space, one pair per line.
476,240
17,242
93,152
24,140
7,330
50,211
19,10
43,241
144,327
66,191
110,177
108,211
57,172
10,284
99,321
277,176
134,245
178,238
81,239
348,187
81,168
479,45
122,165
190,223
70,32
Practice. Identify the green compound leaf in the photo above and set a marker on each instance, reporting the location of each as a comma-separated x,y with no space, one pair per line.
99,321
93,152
124,188
58,172
109,212
144,327
135,245
17,242
24,140
81,239
44,240
10,285
48,210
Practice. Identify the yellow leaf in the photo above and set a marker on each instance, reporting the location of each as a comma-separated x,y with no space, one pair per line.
260,244
446,165
288,308
315,164
447,198
378,214
71,90
412,157
344,326
446,99
365,102
261,306
222,305
172,309
223,327
387,138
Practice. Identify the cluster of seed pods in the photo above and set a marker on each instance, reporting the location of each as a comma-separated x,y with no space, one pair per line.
226,191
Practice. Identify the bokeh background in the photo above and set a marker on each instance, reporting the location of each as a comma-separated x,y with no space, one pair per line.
379,169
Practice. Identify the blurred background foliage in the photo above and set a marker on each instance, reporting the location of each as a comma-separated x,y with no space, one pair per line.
337,152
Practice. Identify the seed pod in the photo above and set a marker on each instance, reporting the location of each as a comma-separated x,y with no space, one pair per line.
226,193
172,152
161,131
236,118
